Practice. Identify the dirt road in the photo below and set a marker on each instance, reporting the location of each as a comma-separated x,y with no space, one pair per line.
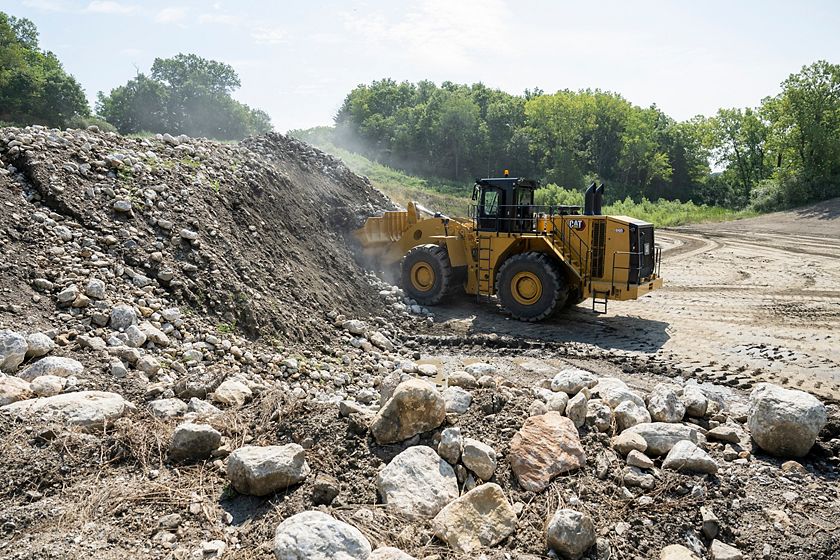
744,301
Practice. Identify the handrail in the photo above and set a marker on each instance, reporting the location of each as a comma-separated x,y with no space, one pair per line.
638,268
569,239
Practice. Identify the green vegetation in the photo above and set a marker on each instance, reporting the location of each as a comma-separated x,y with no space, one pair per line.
785,152
453,199
185,94
34,88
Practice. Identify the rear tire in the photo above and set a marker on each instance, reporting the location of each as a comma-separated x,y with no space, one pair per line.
427,275
531,286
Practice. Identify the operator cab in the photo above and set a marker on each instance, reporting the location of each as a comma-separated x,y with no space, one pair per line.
504,204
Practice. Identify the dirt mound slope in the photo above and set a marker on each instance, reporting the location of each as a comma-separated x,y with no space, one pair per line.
254,234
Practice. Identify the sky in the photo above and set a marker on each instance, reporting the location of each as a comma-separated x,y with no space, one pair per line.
297,60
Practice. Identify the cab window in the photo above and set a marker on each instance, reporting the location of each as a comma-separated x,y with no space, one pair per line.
490,202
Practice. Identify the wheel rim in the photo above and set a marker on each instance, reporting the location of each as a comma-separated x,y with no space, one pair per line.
422,276
526,288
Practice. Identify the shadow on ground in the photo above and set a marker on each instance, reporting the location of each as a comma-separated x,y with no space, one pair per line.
578,324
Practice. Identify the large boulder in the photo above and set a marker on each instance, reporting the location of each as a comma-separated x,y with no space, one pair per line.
687,457
456,400
13,347
259,471
232,392
660,437
576,408
572,380
570,533
451,444
122,316
193,442
481,517
53,365
38,344
695,401
665,405
785,422
546,446
13,389
479,457
629,413
415,407
90,410
417,482
614,391
312,535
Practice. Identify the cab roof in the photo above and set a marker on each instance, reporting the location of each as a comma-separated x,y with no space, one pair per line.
507,182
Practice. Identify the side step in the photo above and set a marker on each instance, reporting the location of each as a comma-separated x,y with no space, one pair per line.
600,302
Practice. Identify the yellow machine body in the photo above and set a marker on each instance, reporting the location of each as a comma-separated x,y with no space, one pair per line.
599,257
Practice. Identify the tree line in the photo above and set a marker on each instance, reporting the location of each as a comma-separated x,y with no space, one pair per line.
185,94
785,151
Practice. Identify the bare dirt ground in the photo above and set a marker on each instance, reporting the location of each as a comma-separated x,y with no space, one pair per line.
744,301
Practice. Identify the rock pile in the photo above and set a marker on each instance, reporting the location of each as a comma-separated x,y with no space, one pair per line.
188,352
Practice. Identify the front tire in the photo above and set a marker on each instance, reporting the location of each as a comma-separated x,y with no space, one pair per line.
427,275
531,287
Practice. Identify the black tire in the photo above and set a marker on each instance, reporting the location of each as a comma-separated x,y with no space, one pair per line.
427,275
531,287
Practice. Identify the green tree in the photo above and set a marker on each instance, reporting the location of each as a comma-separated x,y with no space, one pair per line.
34,88
185,94
805,133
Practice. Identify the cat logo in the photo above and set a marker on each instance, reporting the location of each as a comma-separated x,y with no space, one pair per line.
577,224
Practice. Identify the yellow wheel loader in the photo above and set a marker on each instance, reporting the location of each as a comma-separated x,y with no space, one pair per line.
535,259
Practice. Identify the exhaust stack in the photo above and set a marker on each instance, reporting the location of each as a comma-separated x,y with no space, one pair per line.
589,200
598,200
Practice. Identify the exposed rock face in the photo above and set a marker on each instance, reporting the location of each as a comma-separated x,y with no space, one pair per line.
194,442
52,365
785,422
662,436
259,471
414,408
481,517
90,410
684,456
570,533
417,482
313,535
545,446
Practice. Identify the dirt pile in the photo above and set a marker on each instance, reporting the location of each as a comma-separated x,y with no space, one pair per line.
254,234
